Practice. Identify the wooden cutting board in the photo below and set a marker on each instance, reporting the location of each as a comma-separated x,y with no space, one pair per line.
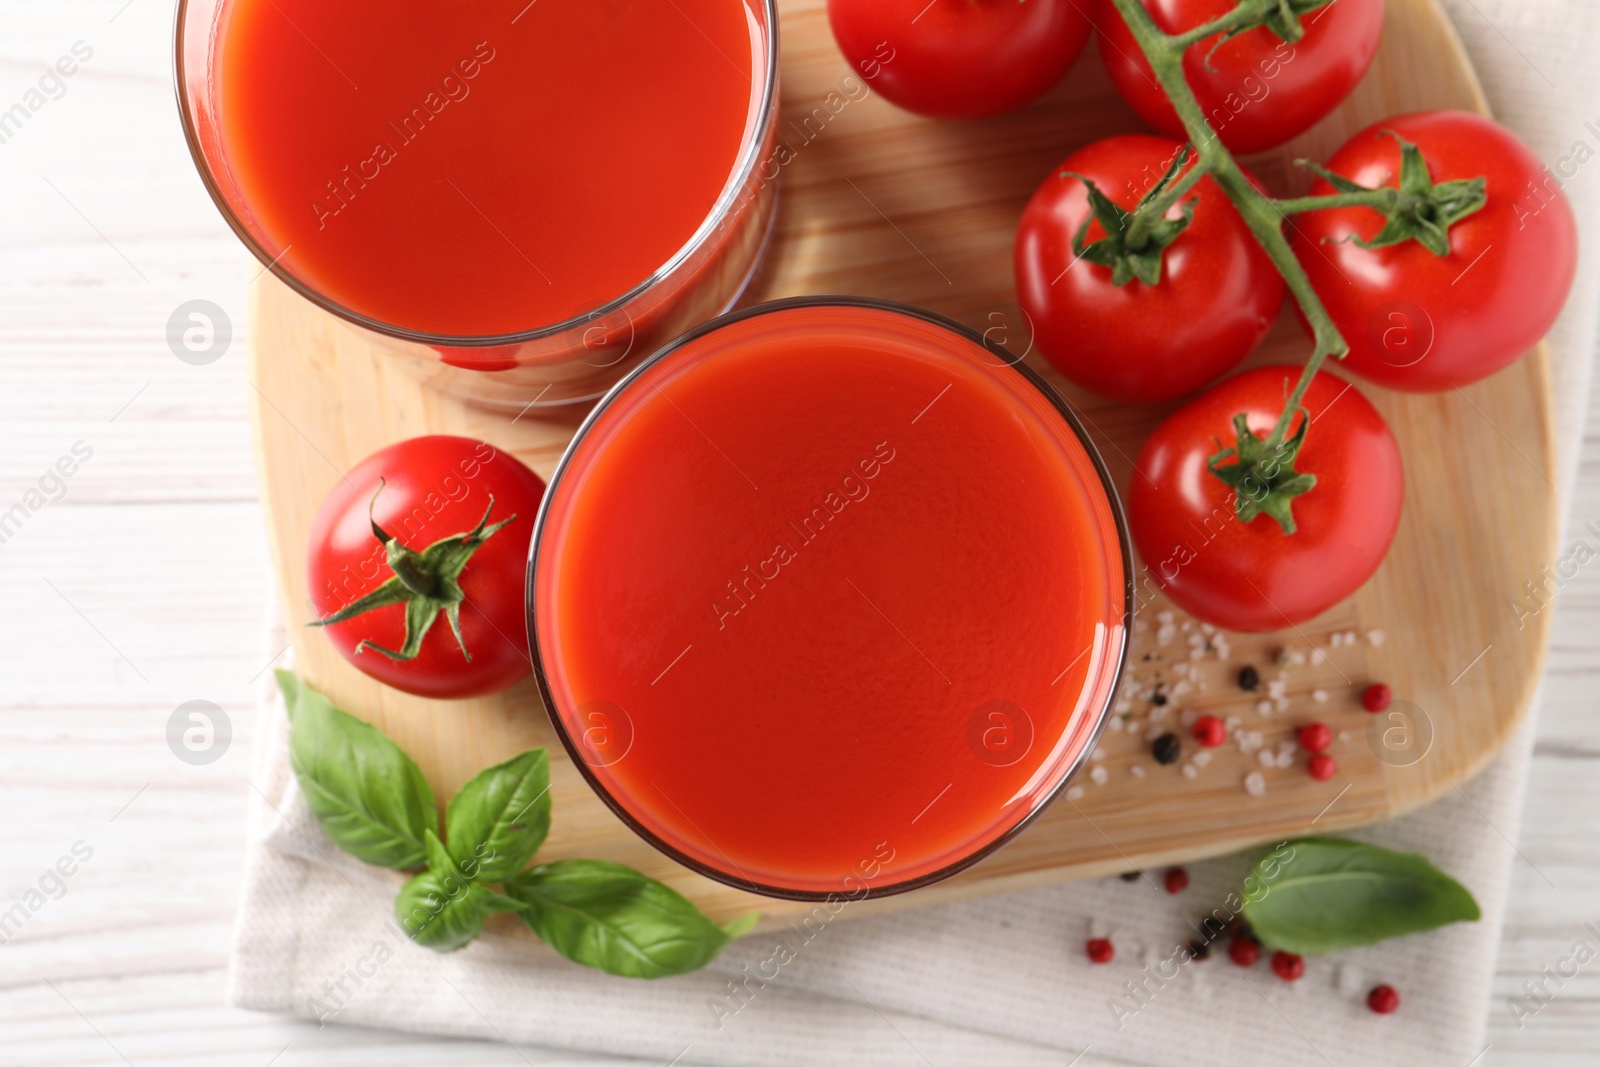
879,202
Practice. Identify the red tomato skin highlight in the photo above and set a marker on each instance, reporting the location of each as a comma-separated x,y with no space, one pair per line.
1483,306
959,59
434,486
1262,90
1253,577
1137,344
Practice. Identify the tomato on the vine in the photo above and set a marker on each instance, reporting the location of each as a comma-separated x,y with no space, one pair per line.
1257,90
1252,576
1217,296
416,566
1419,321
959,59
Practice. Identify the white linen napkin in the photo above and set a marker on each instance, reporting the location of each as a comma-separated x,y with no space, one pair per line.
1004,978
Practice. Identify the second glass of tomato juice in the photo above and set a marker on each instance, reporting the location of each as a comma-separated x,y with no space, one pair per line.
528,197
829,598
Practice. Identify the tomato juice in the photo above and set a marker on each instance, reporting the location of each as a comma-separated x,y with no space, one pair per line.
829,598
473,173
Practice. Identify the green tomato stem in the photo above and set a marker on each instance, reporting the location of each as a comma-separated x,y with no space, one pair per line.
1261,214
1155,209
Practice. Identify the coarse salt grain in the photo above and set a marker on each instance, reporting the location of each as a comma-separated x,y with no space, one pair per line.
1266,758
1232,722
1165,635
1160,713
1318,656
1281,704
1277,688
1190,770
1376,638
1098,753
1263,708
1201,758
1344,735
1320,696
1075,792
1255,784
1187,716
1163,617
1137,771
1351,981
1286,759
1099,775
1197,653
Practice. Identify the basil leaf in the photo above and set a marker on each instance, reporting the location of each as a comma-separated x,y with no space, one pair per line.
442,908
613,918
1321,894
499,819
371,799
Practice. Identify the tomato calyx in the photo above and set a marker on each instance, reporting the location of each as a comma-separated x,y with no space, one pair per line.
426,582
1135,240
1417,209
1263,478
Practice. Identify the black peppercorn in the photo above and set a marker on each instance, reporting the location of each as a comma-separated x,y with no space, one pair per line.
1166,748
1159,699
1131,876
1212,927
1199,950
1249,679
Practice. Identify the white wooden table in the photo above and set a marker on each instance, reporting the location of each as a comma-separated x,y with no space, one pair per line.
144,585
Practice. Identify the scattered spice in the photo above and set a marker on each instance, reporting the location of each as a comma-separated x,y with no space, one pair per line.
1383,999
1199,950
1176,880
1321,767
1166,749
1210,731
1376,697
1244,951
1249,678
1314,737
1131,876
1285,965
1100,950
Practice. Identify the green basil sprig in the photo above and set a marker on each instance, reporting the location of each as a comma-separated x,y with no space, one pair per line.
602,914
1321,894
374,803
371,799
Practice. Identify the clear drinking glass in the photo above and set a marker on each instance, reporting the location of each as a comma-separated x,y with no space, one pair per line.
570,361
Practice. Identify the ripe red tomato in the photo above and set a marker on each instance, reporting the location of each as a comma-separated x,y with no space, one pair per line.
433,488
1252,576
1423,322
1261,90
1136,343
959,59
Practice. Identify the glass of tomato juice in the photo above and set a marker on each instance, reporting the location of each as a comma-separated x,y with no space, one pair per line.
829,598
523,198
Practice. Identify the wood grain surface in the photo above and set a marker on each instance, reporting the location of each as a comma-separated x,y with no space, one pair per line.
882,203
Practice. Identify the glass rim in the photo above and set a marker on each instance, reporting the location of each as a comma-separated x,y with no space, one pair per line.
744,168
961,863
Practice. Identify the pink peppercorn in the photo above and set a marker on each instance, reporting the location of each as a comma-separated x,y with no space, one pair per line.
1376,697
1321,767
1244,951
1315,737
1288,966
1176,880
1383,999
1100,950
1210,731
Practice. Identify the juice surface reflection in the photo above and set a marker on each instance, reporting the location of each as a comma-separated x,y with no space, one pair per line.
830,593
